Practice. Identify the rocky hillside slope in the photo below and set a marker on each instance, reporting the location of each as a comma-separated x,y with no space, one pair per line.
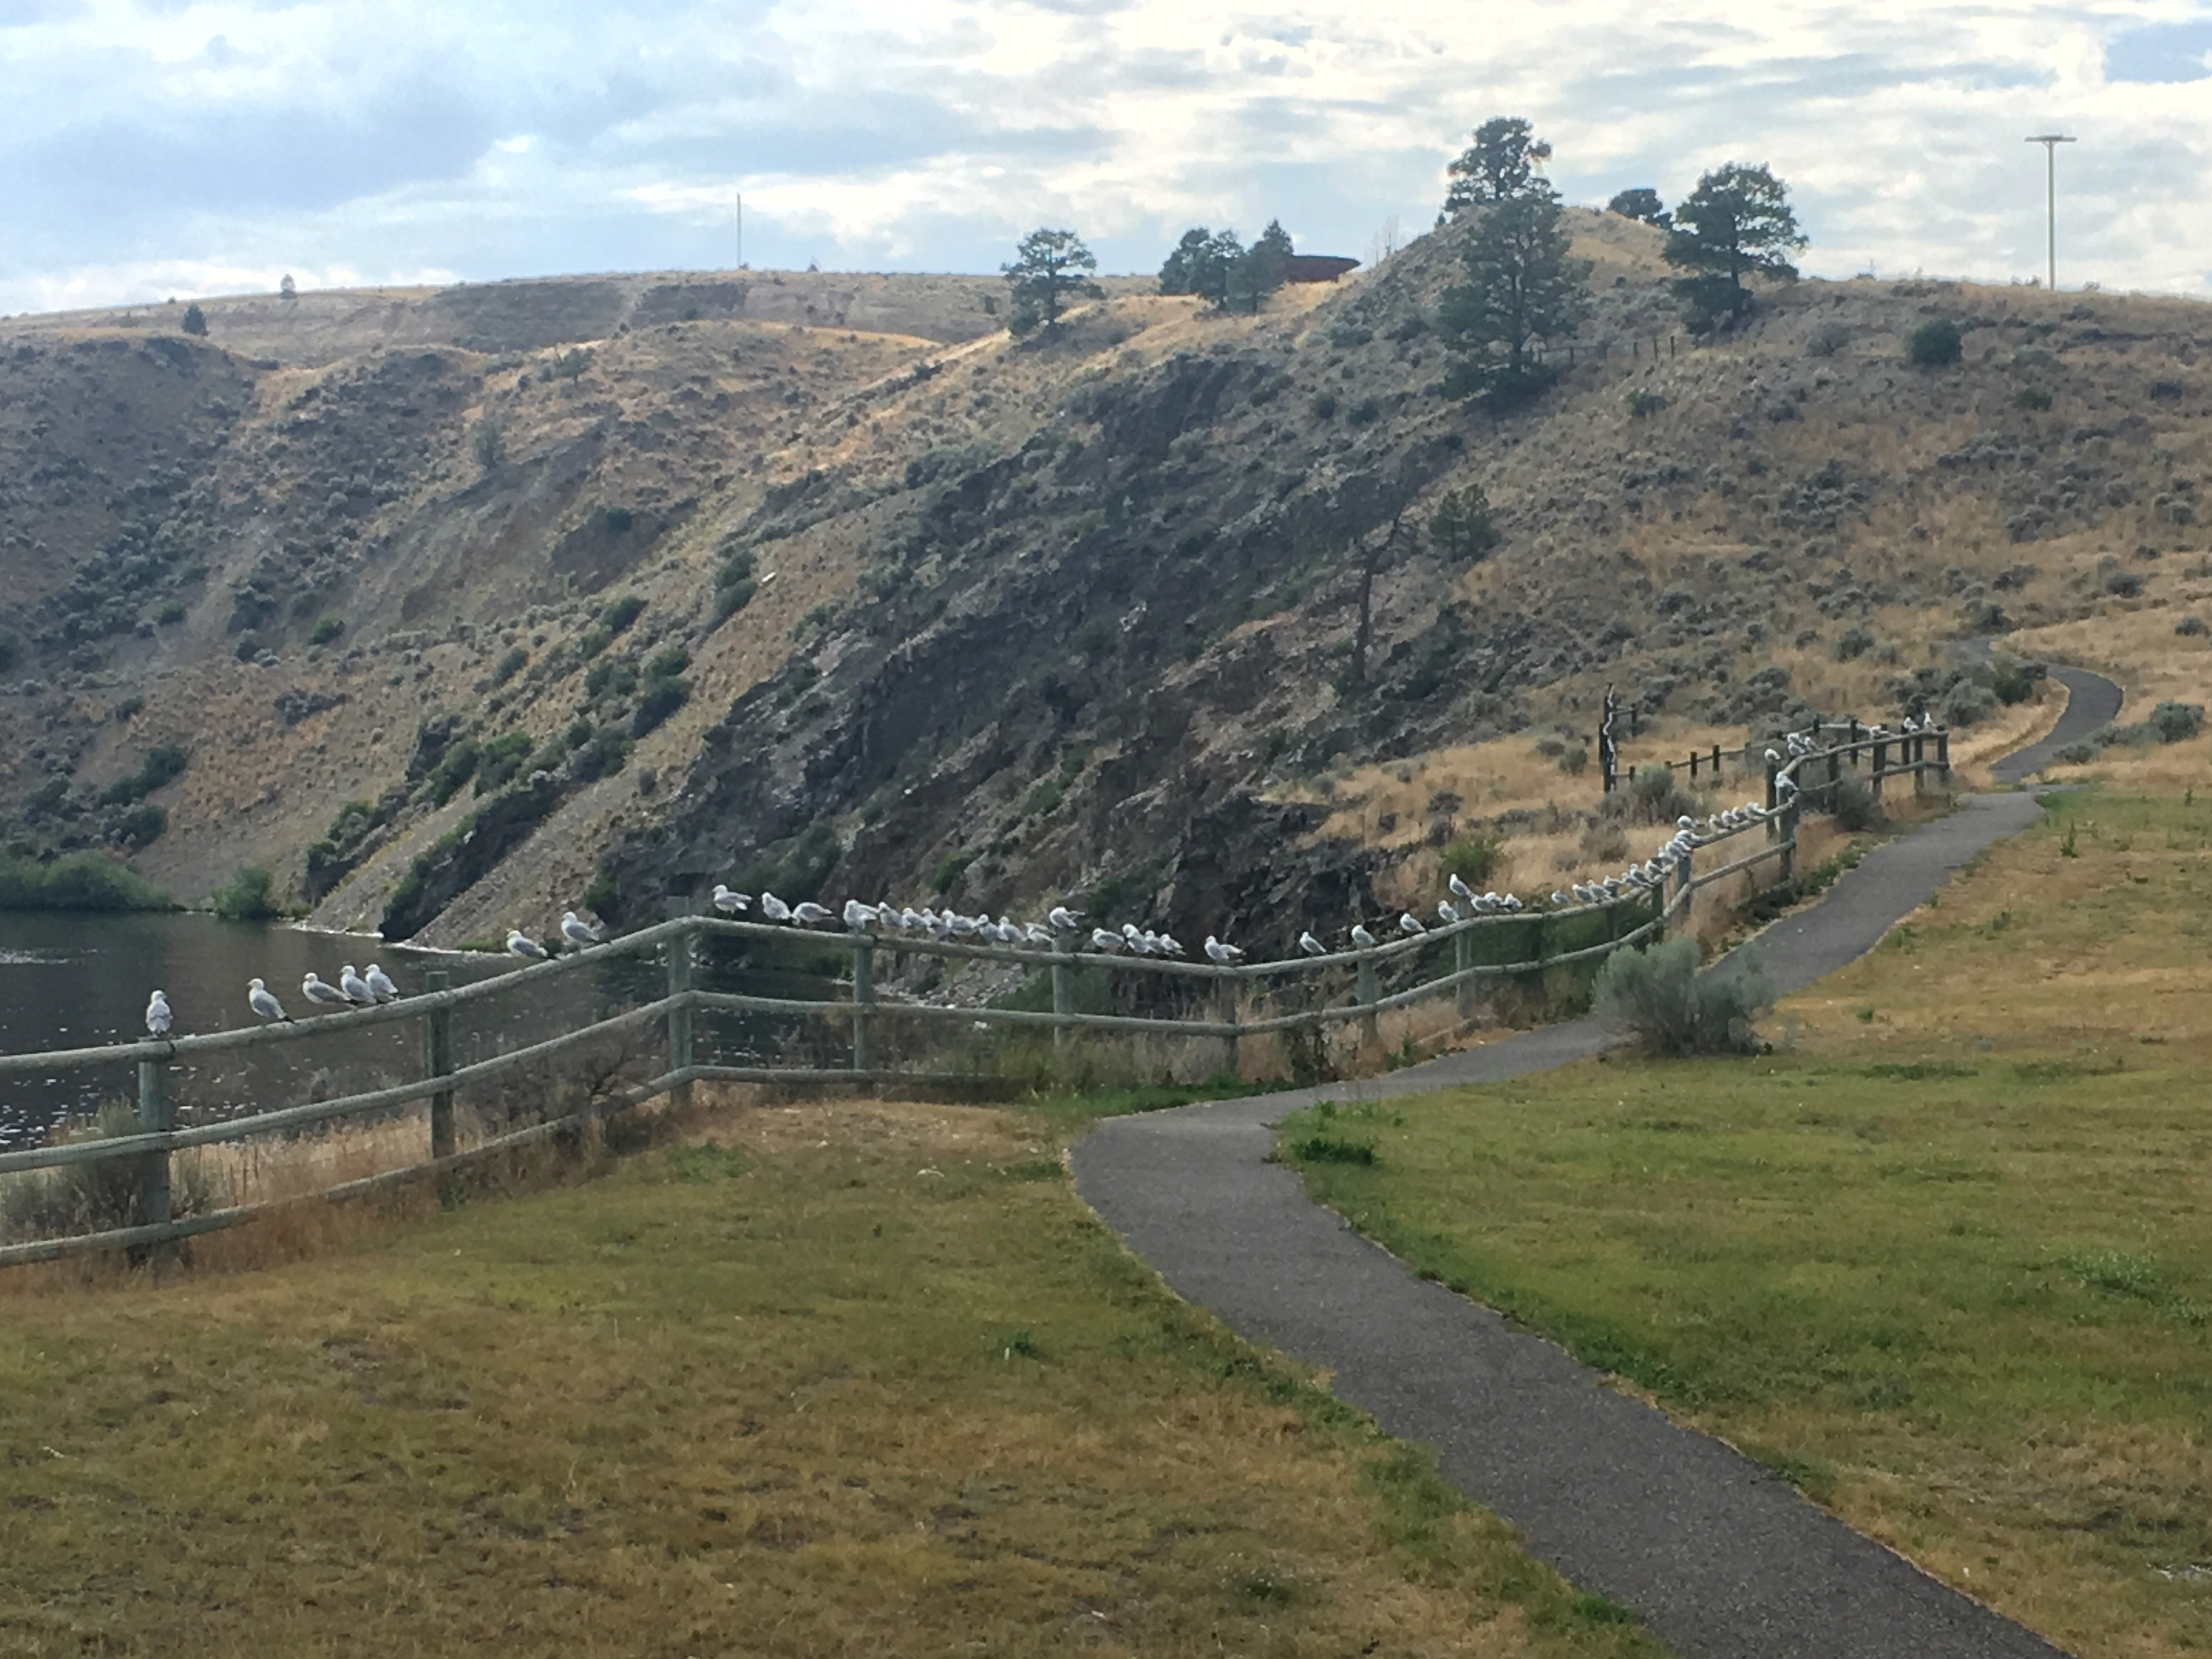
457,620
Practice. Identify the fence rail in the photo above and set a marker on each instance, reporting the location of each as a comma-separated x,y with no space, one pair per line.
1792,784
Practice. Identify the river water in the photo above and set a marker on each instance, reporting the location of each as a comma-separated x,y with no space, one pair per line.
74,981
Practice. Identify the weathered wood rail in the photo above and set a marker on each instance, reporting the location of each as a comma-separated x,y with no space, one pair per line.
1493,946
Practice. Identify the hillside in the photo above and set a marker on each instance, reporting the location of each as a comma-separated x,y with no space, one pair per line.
1009,620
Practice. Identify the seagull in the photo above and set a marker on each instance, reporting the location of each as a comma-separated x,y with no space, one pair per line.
1771,756
1037,933
521,945
1513,901
1310,945
379,986
1221,952
1066,920
1461,890
1559,898
1686,822
578,931
355,987
1135,939
729,901
857,914
158,1017
959,925
1444,911
263,1003
1786,785
1362,938
810,915
318,990
1102,940
1581,894
1409,923
774,907
912,921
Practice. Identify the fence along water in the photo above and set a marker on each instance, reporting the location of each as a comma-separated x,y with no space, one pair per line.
1496,946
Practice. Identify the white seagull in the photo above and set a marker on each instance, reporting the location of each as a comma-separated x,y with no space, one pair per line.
1037,933
1461,890
521,945
808,913
1444,911
774,907
318,990
1362,938
158,1017
858,915
355,987
1559,898
1410,923
1066,920
729,901
1221,953
263,1002
578,931
380,984
1102,940
1310,945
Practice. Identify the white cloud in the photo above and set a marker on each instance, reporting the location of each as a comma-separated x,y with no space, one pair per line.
152,140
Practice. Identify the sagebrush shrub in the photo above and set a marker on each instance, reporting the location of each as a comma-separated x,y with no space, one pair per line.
1658,1000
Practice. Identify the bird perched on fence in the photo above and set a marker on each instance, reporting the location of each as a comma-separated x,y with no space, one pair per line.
1310,945
729,901
1559,898
808,913
1037,934
1445,914
858,915
1686,822
521,945
355,987
774,907
578,931
1461,890
1584,895
1410,924
1066,920
263,1002
1221,953
380,984
317,989
1102,940
158,1017
1362,938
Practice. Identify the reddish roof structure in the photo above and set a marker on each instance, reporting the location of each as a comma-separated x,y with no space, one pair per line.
1316,267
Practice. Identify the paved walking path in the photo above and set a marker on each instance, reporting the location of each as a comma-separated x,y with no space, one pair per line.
1718,1558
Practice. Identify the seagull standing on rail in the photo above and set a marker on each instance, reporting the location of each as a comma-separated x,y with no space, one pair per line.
578,931
355,987
263,1002
158,1017
1460,889
1410,924
317,989
1066,920
1310,945
729,901
1224,954
1102,940
808,913
1362,938
774,907
380,984
521,945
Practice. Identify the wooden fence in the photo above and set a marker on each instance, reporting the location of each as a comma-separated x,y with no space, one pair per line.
1487,947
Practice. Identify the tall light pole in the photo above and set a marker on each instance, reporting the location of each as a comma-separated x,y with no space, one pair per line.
2050,141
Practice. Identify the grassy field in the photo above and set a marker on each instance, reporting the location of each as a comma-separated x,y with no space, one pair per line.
1944,1258
819,1380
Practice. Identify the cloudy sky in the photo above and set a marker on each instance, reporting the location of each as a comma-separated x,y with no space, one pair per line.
159,147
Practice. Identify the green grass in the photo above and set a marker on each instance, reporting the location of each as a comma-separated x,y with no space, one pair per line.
841,1378
77,881
1945,1263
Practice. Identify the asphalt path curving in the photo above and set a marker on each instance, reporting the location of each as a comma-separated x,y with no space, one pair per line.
1717,1557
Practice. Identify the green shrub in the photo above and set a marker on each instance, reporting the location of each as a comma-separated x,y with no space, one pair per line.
1653,797
1827,340
326,629
1666,1009
667,663
1852,804
738,568
500,759
2013,681
1472,859
2176,722
129,709
1324,406
509,666
661,699
168,612
247,896
617,520
949,871
2031,398
142,826
1365,412
1461,526
731,599
621,613
1641,404
164,763
2190,626
1967,704
593,642
194,321
454,768
570,364
101,1195
77,881
2123,584
1935,344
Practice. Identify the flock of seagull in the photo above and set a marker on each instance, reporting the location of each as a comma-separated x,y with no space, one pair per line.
369,990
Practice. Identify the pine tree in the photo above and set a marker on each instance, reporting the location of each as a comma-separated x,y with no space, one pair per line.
1521,287
1501,165
1048,265
1737,223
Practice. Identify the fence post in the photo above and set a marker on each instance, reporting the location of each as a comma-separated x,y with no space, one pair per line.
1716,763
1943,758
1790,840
1773,771
1063,991
679,1017
154,1118
1225,1003
1369,992
864,1003
1881,765
1463,959
438,1061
